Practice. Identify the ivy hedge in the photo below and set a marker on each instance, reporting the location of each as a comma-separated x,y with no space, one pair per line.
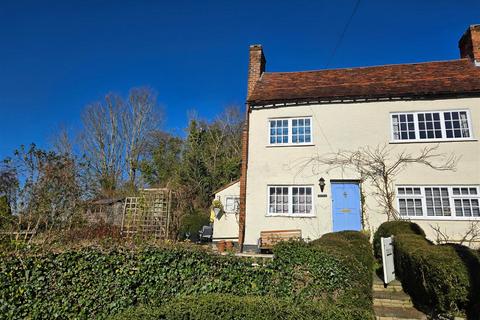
230,307
97,283
443,279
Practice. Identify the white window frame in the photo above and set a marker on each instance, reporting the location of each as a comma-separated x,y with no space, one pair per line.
290,132
442,126
236,205
451,197
290,201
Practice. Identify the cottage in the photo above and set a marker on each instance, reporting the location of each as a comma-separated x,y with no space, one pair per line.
296,116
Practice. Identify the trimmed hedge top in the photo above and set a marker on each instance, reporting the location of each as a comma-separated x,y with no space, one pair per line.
230,307
393,228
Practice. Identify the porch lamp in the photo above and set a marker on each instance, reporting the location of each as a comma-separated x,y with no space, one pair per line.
321,183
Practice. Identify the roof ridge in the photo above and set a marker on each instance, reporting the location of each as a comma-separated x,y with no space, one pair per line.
372,67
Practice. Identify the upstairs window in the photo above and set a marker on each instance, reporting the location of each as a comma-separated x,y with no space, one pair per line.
278,131
403,126
290,131
427,126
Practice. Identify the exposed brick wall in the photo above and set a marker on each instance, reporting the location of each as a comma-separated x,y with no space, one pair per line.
256,67
243,185
469,44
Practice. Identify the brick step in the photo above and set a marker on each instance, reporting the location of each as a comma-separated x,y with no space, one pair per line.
403,313
392,295
390,288
392,303
377,280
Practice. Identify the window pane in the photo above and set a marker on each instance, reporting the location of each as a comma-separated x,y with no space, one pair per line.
278,131
437,200
403,127
429,125
301,130
278,200
456,124
409,201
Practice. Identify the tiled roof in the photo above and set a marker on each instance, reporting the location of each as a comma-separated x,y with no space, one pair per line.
389,81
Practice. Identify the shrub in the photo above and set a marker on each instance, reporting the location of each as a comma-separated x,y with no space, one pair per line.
314,272
440,277
192,223
393,228
229,307
351,242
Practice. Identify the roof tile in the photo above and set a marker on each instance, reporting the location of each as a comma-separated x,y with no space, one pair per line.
402,80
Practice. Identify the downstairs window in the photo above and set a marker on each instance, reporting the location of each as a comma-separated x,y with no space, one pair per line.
443,202
290,200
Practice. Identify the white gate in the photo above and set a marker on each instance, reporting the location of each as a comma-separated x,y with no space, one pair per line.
387,258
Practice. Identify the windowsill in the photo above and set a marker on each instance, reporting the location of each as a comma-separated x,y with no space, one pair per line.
290,145
440,218
290,215
432,140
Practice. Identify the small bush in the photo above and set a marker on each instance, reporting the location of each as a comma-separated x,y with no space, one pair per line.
393,228
229,307
313,272
440,277
351,242
192,223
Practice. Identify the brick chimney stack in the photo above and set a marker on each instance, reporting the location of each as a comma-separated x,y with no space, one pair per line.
256,67
469,44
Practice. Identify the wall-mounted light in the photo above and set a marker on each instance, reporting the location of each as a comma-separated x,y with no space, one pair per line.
321,183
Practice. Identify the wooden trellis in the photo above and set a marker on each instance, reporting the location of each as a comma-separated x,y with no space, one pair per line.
147,215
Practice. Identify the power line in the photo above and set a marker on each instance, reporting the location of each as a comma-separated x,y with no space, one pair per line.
342,35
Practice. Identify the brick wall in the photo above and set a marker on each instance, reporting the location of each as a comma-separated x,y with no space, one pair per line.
469,44
256,67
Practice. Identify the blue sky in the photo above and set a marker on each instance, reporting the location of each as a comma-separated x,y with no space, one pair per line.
57,56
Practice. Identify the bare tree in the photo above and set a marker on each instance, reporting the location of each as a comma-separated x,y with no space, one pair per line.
102,141
140,116
224,139
61,142
468,237
47,190
114,136
380,165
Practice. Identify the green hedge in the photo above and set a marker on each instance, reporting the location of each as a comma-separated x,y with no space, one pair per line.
229,307
91,283
350,242
392,228
444,278
315,271
96,283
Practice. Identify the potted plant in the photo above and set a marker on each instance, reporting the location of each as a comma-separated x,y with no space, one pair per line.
229,246
217,207
221,246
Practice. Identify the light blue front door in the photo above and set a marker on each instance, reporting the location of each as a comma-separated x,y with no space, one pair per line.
346,206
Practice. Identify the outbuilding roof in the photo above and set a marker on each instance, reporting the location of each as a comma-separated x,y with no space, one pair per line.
414,80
